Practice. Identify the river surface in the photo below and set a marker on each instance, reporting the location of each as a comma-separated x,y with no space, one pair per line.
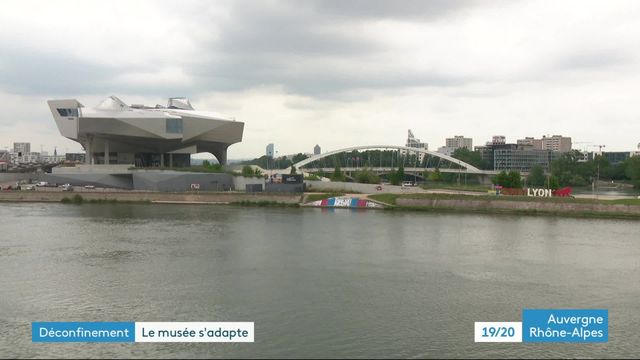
316,283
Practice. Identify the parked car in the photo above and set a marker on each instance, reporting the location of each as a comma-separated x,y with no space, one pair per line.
27,187
89,187
42,183
67,187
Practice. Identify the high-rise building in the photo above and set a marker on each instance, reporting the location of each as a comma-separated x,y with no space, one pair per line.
535,144
316,150
458,142
5,160
21,148
413,142
270,150
557,143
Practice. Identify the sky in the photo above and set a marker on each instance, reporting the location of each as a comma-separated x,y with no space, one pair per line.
331,72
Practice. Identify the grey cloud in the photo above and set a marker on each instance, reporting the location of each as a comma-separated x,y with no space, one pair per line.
271,45
381,9
593,59
264,29
29,71
291,44
32,72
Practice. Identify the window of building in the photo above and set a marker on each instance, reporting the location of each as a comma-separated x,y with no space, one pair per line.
174,126
68,112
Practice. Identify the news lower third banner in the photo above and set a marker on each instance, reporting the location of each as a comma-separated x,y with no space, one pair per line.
548,325
105,332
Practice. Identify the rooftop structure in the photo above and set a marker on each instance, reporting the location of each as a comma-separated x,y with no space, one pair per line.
116,133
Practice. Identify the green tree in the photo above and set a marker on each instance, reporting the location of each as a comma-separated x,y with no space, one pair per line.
470,157
632,170
396,177
393,177
298,157
247,171
293,170
571,169
367,176
516,179
206,163
511,179
338,175
435,175
400,172
536,176
553,182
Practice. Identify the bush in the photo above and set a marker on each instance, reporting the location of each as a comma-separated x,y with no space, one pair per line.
511,179
75,199
338,175
247,171
367,176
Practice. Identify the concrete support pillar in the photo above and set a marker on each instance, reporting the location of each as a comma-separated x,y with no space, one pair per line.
106,152
221,155
162,160
87,156
170,160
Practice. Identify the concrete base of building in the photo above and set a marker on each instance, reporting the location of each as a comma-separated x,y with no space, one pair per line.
129,178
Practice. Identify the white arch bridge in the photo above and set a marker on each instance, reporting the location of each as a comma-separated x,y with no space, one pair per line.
464,167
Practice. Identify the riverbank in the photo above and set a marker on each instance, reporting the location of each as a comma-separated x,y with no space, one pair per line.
628,209
152,197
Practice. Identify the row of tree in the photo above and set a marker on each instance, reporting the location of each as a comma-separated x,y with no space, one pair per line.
268,162
572,170
569,170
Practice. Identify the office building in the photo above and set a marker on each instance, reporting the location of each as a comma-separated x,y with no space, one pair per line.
523,159
556,143
459,142
270,150
21,148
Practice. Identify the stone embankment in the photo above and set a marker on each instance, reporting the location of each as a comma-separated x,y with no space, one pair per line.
160,197
503,206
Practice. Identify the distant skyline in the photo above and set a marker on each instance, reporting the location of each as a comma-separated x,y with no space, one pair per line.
334,73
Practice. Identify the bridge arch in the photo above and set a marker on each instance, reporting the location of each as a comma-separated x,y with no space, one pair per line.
469,168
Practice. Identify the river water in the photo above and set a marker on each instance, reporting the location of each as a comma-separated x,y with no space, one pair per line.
316,283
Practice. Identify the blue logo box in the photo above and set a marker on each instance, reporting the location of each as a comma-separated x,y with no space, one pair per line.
83,332
565,325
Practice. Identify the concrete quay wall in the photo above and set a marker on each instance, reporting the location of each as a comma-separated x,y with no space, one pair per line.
186,197
521,206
